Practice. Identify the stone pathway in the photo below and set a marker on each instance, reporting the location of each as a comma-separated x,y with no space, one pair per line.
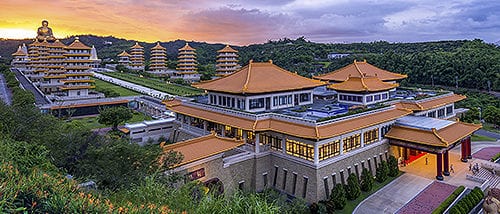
394,195
486,153
5,93
429,199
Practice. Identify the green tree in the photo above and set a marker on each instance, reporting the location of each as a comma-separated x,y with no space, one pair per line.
382,172
367,180
338,196
392,164
492,115
114,116
352,188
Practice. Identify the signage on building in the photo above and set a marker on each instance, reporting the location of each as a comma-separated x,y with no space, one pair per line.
197,174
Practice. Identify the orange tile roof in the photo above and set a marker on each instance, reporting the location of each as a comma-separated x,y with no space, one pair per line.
136,46
77,45
124,53
57,44
363,84
187,48
439,138
259,77
320,132
359,69
429,104
19,52
158,47
202,147
227,49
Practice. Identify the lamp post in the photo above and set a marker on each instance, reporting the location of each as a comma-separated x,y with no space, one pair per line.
479,108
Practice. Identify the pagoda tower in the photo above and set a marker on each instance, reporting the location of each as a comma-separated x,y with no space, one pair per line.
32,60
227,61
77,63
137,57
124,59
186,64
20,58
41,62
55,68
158,58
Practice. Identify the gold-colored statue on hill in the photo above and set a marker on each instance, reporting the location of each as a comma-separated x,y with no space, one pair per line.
45,32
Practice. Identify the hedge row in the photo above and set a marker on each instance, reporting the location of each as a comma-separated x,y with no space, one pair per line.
442,207
467,203
494,158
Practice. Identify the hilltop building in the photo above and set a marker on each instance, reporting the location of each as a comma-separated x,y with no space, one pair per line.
136,57
20,57
261,127
124,59
227,61
187,65
158,60
59,71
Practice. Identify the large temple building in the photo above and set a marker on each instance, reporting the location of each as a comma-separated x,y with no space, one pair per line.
262,127
227,61
158,60
187,65
59,71
136,57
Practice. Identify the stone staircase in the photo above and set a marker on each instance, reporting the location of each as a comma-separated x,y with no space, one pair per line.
491,180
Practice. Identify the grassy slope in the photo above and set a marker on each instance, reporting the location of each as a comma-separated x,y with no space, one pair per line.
156,84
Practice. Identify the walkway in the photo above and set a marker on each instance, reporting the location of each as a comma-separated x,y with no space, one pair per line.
486,153
394,195
429,199
5,93
40,99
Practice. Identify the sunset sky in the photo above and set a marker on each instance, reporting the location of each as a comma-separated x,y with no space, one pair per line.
245,22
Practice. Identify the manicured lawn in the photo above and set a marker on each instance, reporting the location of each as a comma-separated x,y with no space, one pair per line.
482,138
156,84
490,127
101,85
92,123
351,205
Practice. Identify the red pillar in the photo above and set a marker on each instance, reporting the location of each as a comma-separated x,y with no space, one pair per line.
439,167
463,146
446,163
469,151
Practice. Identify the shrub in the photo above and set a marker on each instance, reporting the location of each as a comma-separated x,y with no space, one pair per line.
352,189
382,171
314,208
366,180
455,210
393,166
338,197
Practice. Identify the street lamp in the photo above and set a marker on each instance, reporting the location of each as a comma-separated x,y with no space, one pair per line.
479,108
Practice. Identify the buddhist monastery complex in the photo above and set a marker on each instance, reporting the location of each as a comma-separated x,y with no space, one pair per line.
227,61
264,127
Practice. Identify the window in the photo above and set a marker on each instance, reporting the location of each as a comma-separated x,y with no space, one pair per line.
327,190
369,98
370,136
384,96
256,103
283,100
275,101
299,149
431,114
241,185
275,175
441,112
274,142
306,179
449,110
294,183
285,172
264,175
377,97
352,142
304,97
329,150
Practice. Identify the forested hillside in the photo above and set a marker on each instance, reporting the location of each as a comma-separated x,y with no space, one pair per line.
470,64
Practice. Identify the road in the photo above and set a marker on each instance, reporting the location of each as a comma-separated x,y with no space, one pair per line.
488,134
5,93
40,99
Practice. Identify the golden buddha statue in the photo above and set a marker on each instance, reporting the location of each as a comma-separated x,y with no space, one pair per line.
45,32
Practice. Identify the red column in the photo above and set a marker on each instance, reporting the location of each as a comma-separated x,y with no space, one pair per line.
446,164
463,146
469,151
439,167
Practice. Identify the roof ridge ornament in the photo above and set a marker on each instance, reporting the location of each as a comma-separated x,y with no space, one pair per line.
245,86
